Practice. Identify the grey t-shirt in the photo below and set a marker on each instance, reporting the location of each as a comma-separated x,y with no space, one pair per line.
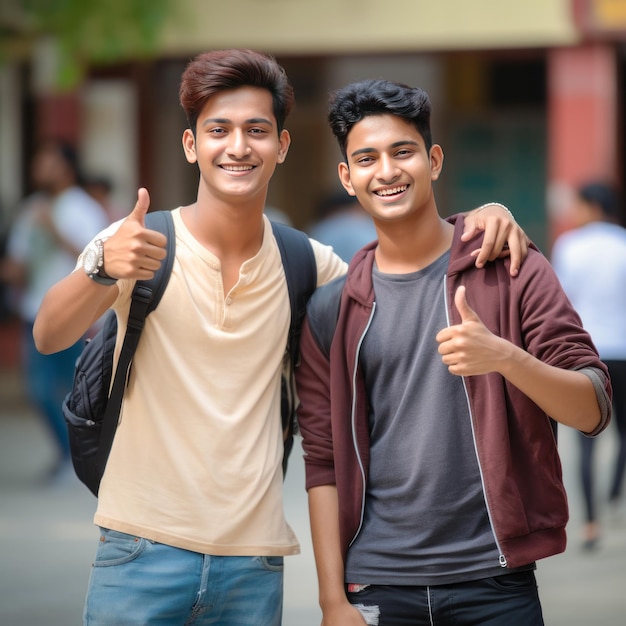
425,519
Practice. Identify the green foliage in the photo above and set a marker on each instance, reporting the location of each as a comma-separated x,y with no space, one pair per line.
90,31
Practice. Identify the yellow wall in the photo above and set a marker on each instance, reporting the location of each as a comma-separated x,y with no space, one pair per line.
340,26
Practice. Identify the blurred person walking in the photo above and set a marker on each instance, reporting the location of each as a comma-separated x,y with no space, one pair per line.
590,261
52,226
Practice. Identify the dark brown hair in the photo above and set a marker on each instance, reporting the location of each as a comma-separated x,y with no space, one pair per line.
218,70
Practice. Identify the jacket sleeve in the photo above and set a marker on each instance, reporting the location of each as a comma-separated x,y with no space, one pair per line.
553,332
313,385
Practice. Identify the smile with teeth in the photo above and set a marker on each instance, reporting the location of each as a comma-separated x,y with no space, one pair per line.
237,168
391,192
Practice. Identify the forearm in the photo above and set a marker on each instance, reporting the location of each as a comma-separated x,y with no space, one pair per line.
566,396
470,349
68,309
324,516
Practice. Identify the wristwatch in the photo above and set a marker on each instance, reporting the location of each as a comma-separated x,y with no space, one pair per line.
93,262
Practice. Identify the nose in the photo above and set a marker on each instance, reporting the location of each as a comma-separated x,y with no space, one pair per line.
387,169
238,144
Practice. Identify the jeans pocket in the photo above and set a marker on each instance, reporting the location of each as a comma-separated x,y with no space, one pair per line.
272,563
116,548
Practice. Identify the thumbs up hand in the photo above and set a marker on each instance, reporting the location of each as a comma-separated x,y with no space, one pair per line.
469,348
142,206
134,251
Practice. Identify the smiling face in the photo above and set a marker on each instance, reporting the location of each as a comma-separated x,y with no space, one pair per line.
236,145
389,169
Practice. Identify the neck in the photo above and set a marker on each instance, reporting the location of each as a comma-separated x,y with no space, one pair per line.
59,187
227,231
403,249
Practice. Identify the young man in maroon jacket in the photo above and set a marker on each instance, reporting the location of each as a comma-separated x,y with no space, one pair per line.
433,475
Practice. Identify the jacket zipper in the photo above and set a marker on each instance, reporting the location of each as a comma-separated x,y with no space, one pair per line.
501,558
352,421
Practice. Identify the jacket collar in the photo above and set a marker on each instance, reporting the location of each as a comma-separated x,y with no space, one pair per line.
359,283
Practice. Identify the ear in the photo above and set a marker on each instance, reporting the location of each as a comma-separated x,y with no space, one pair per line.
344,177
284,141
436,161
189,146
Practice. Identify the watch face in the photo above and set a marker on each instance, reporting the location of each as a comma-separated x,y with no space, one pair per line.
90,260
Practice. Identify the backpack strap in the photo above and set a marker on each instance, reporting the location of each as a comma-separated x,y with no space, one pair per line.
323,312
301,274
145,297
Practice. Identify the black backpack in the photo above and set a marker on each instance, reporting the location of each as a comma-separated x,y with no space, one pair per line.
92,414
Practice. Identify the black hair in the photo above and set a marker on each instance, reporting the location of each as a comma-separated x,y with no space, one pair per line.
350,104
603,196
69,154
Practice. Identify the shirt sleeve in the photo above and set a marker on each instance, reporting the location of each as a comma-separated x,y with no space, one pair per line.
103,234
329,264
599,381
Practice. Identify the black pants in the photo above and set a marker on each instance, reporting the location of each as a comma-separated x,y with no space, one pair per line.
510,599
617,371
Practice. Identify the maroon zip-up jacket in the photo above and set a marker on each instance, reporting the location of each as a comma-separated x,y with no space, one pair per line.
515,441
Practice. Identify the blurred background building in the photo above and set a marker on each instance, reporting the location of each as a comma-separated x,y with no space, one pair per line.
527,95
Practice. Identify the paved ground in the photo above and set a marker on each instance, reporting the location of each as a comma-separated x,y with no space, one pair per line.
47,539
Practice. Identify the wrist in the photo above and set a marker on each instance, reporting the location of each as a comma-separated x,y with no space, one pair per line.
498,204
93,263
101,273
330,599
102,279
335,605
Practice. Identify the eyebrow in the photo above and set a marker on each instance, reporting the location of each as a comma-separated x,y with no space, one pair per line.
397,144
224,120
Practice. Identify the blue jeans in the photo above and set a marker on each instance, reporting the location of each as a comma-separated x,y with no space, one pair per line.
510,599
48,380
135,581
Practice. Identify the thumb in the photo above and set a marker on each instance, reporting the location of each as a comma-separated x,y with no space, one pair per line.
141,206
460,301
